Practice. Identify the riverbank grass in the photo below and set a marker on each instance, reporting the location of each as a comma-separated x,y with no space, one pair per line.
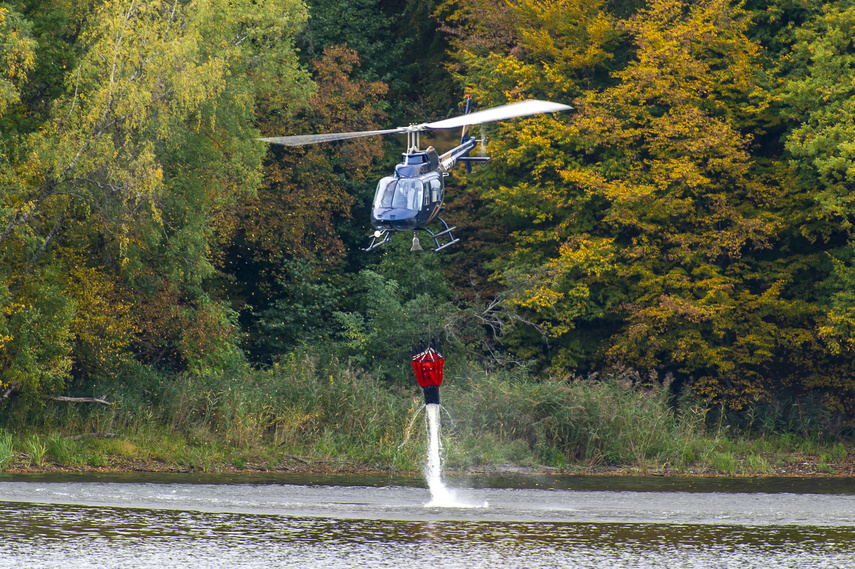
305,415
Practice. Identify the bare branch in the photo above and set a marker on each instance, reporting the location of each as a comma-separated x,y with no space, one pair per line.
53,232
9,391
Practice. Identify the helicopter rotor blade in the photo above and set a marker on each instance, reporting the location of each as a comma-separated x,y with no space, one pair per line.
513,110
303,139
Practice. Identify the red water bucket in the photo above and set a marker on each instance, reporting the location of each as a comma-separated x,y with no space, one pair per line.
428,367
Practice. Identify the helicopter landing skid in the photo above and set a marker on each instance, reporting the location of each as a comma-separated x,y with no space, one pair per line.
445,232
382,237
379,239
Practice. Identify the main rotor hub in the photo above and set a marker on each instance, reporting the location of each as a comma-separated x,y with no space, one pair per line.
413,138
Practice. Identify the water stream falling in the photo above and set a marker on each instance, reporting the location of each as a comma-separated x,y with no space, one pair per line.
441,496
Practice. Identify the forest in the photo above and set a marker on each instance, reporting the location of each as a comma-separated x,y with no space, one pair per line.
688,224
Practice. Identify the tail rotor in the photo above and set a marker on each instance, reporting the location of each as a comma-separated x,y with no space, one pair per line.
465,133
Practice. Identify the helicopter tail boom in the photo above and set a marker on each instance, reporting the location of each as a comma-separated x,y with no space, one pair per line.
450,158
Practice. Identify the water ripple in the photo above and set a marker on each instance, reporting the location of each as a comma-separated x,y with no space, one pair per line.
124,525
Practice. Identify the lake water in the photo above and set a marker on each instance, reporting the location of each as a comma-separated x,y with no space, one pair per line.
281,521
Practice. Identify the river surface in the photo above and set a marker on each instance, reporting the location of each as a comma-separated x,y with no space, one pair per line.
505,522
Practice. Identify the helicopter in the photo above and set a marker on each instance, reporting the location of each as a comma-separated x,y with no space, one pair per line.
412,197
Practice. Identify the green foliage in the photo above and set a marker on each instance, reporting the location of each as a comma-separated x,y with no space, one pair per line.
286,246
301,315
17,56
312,409
404,302
7,450
641,228
361,25
617,419
122,165
386,324
35,339
724,462
819,95
399,44
36,449
59,450
299,404
693,214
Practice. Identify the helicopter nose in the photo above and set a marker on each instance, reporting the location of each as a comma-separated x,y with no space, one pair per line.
399,219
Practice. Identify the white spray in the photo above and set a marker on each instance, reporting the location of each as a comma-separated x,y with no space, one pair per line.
441,496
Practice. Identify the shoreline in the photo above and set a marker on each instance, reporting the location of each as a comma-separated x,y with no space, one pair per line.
304,466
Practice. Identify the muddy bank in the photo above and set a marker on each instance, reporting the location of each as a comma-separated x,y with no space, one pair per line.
811,466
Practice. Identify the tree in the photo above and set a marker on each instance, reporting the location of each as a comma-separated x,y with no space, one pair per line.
645,230
286,249
397,42
390,315
17,54
120,183
819,94
509,50
505,51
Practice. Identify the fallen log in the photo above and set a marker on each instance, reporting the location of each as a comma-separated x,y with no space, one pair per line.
98,435
65,399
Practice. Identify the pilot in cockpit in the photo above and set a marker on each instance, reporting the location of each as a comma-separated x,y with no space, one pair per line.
401,193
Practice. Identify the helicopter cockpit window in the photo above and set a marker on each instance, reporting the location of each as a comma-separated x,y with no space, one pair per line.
435,190
385,192
408,194
405,193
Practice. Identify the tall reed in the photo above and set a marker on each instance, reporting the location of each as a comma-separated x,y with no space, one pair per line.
298,405
619,419
7,450
312,408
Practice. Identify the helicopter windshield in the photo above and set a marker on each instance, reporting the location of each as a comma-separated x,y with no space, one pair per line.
404,193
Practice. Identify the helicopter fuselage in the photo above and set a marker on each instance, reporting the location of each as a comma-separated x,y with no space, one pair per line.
413,196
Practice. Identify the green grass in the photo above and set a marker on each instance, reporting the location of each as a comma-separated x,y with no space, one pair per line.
36,449
333,415
7,450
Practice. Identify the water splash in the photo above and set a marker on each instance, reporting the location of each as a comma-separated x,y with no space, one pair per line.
441,496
